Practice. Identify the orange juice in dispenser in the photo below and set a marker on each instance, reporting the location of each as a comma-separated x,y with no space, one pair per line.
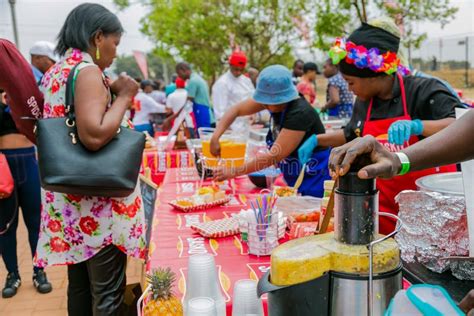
233,149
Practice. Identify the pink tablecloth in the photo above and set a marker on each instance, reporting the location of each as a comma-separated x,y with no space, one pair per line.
160,161
172,240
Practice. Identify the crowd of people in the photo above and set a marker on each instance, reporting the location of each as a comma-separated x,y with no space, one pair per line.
93,236
210,102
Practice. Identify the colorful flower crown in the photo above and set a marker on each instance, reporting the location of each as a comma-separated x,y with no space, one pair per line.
362,57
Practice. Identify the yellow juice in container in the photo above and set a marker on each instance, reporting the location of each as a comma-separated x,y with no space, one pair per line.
232,150
304,259
211,161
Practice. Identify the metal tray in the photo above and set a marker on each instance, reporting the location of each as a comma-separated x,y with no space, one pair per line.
446,183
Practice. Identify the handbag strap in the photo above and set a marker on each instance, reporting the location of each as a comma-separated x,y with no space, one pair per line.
70,85
70,108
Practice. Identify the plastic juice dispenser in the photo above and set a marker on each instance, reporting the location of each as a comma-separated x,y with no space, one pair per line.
233,149
339,273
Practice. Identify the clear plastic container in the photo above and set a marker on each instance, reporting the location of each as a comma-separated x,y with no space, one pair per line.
401,306
432,300
423,299
203,281
262,238
245,301
201,306
233,149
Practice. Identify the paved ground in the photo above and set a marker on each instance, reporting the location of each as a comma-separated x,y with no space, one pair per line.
28,301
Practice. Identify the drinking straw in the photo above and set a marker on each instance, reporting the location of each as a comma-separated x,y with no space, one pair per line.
270,210
260,207
254,211
264,207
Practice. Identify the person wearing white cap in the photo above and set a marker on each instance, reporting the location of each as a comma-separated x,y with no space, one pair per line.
42,58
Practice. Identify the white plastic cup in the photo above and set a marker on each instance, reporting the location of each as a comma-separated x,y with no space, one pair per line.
203,281
201,306
245,301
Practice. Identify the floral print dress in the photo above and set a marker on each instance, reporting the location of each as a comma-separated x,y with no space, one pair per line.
75,228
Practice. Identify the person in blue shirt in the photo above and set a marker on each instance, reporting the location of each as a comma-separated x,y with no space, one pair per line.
198,93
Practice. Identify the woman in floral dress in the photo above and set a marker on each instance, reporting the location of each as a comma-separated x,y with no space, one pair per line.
92,235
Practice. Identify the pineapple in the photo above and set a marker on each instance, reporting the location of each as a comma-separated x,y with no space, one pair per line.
162,302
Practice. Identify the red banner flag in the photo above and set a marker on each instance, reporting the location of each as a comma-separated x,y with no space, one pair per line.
140,58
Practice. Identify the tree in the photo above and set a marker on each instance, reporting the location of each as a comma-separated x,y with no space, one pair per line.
335,17
407,12
205,32
155,66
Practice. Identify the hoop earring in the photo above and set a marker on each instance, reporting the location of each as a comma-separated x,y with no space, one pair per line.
97,53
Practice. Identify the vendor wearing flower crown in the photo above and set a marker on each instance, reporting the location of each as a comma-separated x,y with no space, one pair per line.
398,111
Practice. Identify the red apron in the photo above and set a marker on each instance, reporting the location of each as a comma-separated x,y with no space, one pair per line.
388,189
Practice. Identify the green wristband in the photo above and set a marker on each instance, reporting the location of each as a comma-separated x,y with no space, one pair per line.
405,163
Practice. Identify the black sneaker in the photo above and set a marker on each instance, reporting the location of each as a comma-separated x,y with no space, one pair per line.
40,281
12,284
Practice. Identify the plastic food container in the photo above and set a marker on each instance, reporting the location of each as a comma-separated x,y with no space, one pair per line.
423,299
233,149
300,230
304,216
232,152
291,204
284,191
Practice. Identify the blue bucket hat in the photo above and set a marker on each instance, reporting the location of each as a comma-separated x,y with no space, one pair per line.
274,86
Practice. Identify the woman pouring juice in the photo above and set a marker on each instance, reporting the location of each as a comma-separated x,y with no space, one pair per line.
398,111
293,122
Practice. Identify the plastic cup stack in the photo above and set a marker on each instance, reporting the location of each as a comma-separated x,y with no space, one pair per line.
201,306
203,281
245,301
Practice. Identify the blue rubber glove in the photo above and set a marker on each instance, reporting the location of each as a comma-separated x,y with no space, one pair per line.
401,131
306,150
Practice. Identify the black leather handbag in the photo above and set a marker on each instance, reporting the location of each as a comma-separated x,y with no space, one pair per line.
66,166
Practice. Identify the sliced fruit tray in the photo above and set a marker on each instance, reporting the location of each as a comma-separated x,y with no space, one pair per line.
199,207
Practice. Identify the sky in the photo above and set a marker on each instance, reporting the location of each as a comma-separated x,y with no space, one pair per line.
463,22
42,20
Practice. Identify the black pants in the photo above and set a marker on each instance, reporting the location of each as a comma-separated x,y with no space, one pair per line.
24,168
96,286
